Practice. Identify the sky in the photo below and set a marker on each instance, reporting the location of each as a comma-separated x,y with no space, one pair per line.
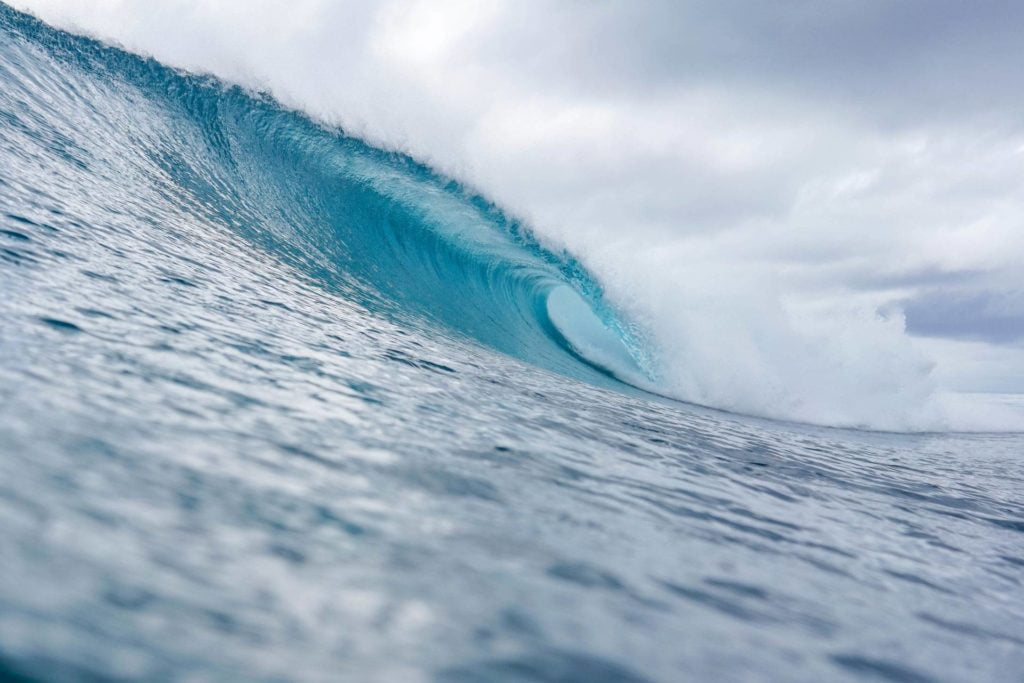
812,205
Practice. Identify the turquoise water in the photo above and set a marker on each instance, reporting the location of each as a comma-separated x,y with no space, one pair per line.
277,405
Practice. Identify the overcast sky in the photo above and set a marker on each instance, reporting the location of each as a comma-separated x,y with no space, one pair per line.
783,181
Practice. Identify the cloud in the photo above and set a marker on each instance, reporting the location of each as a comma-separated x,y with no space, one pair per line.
994,317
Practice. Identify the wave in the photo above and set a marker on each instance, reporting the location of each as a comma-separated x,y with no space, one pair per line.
376,226
396,235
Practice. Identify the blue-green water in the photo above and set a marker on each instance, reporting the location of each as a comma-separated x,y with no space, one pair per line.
276,405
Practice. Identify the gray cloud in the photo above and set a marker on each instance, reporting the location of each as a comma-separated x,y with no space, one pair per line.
995,317
895,60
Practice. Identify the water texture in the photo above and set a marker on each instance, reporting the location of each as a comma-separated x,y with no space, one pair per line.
277,405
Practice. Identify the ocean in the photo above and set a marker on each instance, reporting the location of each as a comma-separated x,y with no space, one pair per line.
278,404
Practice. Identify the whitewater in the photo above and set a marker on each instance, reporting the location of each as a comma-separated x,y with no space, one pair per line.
284,399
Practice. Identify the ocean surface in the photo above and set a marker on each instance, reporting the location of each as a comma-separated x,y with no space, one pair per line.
278,405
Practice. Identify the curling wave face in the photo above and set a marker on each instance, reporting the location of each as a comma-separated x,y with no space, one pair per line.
384,230
264,414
